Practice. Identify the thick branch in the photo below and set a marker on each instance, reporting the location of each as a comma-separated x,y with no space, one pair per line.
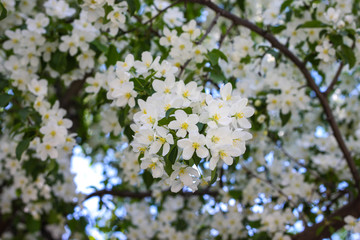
141,195
302,67
72,91
333,221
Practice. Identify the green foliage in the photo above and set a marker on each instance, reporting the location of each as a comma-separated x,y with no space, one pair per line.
313,24
347,55
214,56
5,99
148,179
3,12
214,176
285,118
134,6
112,56
21,147
285,5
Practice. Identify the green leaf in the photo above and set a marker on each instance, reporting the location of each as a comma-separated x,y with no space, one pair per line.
347,54
112,56
5,99
319,230
336,39
21,147
33,225
188,110
165,121
261,236
24,113
196,159
129,133
138,84
236,194
134,6
277,29
173,154
313,24
284,118
168,166
170,111
214,56
214,176
53,217
200,127
3,12
58,61
107,9
148,179
255,224
217,75
99,46
285,4
241,4
141,155
123,114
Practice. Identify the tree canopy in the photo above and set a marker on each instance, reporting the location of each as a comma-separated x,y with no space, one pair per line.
223,119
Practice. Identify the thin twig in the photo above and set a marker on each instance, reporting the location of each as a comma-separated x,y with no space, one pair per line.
335,79
301,214
208,30
223,36
161,11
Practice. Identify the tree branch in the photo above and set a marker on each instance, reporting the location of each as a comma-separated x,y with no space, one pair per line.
278,189
208,30
332,222
161,11
223,36
335,79
302,67
141,195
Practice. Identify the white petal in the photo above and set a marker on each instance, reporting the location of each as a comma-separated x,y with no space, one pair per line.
155,147
174,125
202,152
157,172
244,123
193,119
180,115
176,186
188,152
213,162
228,160
186,179
166,149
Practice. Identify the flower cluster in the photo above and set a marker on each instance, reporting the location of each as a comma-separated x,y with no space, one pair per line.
176,115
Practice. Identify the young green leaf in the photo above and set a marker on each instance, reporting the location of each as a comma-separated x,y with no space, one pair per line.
5,99
3,12
21,147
